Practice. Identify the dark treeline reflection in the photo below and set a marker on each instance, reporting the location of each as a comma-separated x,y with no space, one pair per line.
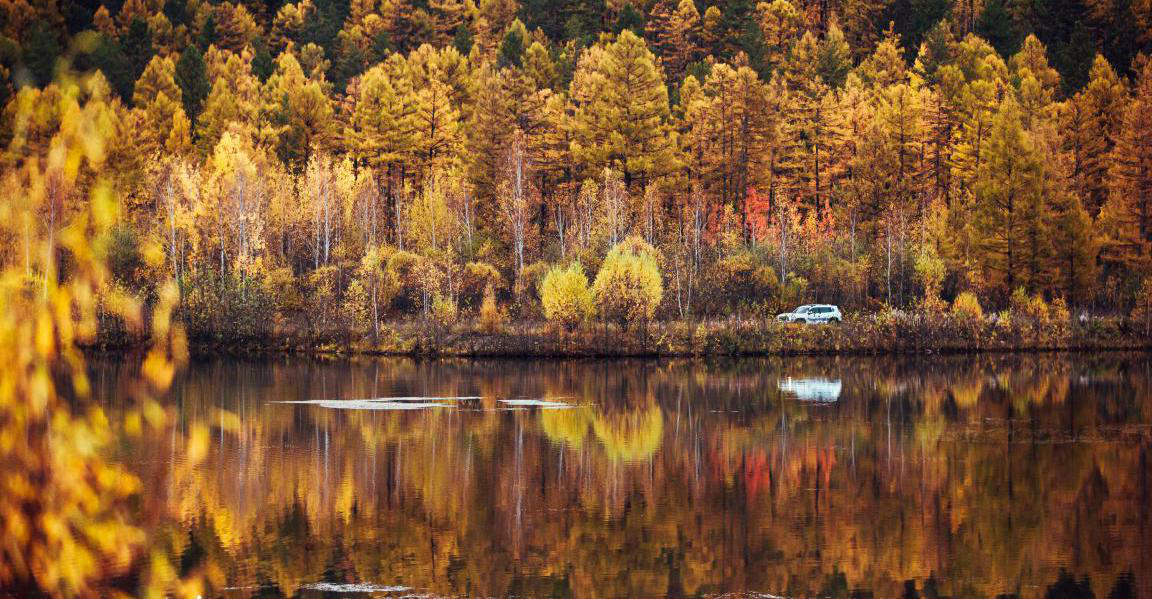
936,477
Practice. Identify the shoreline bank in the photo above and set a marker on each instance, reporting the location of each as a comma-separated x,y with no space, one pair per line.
874,335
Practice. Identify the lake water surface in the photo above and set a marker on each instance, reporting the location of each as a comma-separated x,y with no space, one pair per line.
802,477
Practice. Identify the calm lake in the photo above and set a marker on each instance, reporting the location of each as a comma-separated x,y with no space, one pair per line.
800,477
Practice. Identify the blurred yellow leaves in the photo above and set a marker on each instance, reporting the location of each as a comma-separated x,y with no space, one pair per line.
65,510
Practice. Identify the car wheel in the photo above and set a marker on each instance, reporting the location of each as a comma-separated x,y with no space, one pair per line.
834,320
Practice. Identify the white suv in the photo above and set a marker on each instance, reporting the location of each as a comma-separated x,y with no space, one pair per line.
812,313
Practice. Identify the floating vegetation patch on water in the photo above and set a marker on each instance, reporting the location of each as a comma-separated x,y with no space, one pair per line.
417,399
425,403
365,404
385,403
537,403
746,595
353,587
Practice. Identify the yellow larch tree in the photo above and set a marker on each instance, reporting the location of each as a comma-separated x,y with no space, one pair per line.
733,124
436,127
621,114
1091,121
781,25
234,100
675,28
298,110
383,132
159,108
1126,218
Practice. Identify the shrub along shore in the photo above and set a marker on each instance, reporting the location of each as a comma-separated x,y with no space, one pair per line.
877,334
620,313
617,315
625,312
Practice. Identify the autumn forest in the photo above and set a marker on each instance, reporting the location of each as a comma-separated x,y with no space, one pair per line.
187,180
325,166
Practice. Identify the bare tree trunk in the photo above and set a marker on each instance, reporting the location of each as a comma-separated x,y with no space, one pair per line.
468,226
242,252
327,221
397,212
519,205
514,203
316,239
560,231
888,245
784,224
50,256
375,306
170,205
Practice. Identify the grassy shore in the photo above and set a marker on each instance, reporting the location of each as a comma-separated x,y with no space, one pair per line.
888,333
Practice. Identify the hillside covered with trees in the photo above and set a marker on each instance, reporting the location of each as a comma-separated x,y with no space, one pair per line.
328,167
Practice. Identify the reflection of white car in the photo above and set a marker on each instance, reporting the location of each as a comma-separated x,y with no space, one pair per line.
812,313
820,390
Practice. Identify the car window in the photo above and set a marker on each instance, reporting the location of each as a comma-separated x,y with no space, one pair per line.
802,310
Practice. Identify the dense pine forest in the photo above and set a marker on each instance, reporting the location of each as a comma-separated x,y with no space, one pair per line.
333,168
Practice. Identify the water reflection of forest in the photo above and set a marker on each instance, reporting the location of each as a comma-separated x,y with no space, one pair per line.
925,477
